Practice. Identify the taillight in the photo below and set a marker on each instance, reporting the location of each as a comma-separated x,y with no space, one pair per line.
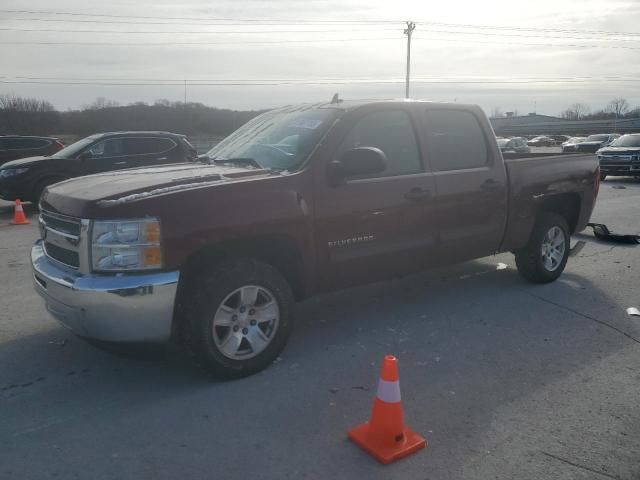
596,181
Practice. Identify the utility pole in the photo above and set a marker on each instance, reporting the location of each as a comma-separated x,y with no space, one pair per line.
185,93
408,31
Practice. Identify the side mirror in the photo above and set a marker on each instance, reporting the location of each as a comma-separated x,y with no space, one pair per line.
358,161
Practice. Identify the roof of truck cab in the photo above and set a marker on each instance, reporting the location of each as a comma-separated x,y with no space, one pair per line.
357,103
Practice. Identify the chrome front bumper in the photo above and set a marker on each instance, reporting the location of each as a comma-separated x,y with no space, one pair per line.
117,308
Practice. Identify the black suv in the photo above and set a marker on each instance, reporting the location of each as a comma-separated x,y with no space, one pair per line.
621,157
13,147
26,179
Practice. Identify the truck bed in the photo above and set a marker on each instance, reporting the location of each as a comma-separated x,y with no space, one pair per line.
534,179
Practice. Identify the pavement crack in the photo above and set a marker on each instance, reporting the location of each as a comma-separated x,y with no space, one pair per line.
584,315
583,467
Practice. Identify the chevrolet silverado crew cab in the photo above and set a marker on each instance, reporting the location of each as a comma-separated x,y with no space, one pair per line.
300,200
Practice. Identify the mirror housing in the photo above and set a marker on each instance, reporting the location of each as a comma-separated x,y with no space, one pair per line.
358,161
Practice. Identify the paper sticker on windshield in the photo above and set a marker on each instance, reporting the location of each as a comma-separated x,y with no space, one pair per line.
309,123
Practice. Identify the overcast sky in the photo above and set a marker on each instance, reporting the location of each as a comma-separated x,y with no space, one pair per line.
571,62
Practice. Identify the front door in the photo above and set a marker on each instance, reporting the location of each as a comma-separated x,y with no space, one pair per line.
104,156
381,225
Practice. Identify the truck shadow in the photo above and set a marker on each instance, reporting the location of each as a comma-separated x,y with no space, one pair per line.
469,339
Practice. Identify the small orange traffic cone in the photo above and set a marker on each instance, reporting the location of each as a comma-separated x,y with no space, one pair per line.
18,215
385,436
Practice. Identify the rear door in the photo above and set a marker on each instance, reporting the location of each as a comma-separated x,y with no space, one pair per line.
470,182
381,225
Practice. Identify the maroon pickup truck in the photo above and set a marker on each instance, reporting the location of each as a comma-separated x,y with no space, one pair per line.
300,200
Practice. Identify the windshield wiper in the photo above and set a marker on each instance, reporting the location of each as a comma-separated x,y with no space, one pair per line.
242,161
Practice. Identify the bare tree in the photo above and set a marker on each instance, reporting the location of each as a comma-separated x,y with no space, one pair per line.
576,111
618,106
100,103
25,115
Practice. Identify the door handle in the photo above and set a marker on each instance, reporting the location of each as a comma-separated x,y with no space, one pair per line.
120,163
417,194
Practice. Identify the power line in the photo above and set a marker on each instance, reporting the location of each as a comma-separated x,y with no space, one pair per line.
563,45
440,78
271,32
317,83
216,19
165,44
310,41
92,31
268,21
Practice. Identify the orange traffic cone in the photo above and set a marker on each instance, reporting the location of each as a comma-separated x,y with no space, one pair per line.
18,215
385,435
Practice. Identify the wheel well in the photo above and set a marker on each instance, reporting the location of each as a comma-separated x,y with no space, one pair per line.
565,204
280,252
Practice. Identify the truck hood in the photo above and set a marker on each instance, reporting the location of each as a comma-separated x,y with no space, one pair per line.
24,162
134,185
619,151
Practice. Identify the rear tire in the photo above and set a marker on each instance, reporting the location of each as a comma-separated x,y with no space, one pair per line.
545,256
238,318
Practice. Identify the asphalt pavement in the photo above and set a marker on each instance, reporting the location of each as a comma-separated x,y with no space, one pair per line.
505,379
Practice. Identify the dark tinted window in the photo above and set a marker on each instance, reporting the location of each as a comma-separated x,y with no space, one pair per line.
111,147
142,145
391,132
27,143
24,143
455,140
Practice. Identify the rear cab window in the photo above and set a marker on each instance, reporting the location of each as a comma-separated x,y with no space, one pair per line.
455,140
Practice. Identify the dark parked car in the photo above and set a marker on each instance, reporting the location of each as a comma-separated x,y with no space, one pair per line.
593,143
570,145
13,147
621,157
558,139
515,144
541,142
297,201
27,178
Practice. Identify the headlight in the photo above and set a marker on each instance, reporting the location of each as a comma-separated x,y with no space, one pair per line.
126,245
12,172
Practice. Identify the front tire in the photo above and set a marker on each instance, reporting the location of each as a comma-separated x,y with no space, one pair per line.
545,256
239,318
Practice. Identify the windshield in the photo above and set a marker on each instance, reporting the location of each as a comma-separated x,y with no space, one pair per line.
280,139
597,138
75,148
627,141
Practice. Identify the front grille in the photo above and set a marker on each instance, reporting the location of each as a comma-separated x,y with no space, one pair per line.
67,225
62,255
62,238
